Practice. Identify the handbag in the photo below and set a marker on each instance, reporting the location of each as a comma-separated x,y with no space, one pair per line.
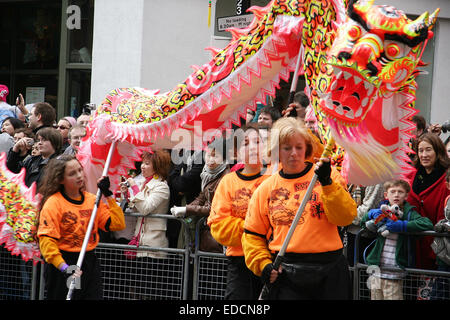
207,241
131,254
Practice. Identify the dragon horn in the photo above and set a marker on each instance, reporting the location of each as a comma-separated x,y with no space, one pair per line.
362,6
432,19
413,28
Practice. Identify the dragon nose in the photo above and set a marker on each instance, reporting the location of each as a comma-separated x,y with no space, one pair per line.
367,50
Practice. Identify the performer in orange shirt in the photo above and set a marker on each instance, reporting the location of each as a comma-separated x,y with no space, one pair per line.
228,210
63,220
314,266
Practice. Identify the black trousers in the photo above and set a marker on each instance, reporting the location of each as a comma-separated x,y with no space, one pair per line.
242,284
316,276
91,287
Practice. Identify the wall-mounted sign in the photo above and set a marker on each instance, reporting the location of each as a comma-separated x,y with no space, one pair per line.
241,21
34,94
233,14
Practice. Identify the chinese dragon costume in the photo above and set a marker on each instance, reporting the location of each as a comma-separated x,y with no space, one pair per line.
359,61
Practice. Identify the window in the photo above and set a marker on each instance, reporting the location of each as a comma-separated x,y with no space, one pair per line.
30,42
76,56
43,56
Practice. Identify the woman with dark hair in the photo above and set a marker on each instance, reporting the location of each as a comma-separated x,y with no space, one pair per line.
229,208
49,142
447,145
64,216
148,198
10,124
213,171
428,190
7,133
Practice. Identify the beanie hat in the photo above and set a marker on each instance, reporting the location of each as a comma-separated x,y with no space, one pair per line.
71,120
3,92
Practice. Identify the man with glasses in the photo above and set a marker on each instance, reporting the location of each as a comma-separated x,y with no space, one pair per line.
64,126
76,133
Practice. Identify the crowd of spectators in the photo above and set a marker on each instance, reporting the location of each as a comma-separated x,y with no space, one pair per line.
208,185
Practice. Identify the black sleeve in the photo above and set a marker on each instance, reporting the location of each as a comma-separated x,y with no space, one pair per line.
14,161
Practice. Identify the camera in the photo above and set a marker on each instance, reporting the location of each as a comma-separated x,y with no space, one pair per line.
30,142
445,126
125,184
88,107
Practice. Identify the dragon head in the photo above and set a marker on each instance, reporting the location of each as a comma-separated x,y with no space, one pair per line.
375,52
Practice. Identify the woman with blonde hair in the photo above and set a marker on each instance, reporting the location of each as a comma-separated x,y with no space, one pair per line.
314,266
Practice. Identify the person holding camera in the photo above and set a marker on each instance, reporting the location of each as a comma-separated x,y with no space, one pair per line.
49,142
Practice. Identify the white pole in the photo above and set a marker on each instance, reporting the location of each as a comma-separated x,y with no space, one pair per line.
294,82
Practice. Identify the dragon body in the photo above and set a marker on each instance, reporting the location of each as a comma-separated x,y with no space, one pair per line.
18,214
359,60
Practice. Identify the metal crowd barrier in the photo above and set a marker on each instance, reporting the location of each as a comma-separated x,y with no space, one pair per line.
210,271
153,278
418,284
17,277
185,273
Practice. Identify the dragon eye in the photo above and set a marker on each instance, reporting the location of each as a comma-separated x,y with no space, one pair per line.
394,50
354,32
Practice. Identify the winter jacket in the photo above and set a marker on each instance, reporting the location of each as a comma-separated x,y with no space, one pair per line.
441,245
153,199
201,206
429,203
416,223
34,166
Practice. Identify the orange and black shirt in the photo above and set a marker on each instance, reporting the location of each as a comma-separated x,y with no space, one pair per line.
63,223
229,208
274,205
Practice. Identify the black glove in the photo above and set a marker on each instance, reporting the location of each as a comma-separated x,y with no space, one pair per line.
104,186
324,173
265,274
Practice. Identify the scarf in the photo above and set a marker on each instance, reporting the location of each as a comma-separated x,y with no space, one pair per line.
209,175
147,180
424,180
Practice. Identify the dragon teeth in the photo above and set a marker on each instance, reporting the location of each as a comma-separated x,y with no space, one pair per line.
339,110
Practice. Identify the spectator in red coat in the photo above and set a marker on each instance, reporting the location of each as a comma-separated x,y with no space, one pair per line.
428,190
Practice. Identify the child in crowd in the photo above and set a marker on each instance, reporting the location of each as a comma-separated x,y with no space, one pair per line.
393,250
65,212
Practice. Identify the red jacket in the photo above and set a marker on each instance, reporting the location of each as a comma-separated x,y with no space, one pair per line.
429,203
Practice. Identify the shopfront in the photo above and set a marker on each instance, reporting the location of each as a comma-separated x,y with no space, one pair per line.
45,52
